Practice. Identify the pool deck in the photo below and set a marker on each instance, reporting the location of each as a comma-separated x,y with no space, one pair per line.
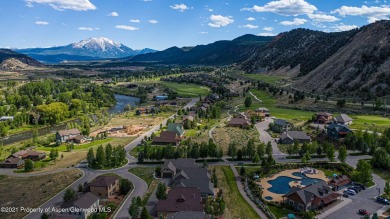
278,197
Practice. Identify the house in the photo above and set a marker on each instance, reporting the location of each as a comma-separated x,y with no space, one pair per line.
79,139
83,206
166,138
264,110
238,122
185,173
65,135
189,215
29,154
177,128
189,118
12,162
104,186
340,181
343,119
180,199
324,117
290,136
158,98
311,197
337,131
280,125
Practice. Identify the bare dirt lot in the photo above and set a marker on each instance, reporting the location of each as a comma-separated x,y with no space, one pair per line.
32,191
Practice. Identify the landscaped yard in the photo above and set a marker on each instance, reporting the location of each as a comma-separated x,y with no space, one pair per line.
236,205
145,173
32,191
265,78
187,90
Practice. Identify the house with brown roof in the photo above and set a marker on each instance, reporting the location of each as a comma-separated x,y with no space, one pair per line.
166,138
180,199
82,207
104,186
12,162
239,121
66,135
324,117
340,181
29,154
311,197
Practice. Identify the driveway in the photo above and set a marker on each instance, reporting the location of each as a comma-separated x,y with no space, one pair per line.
265,137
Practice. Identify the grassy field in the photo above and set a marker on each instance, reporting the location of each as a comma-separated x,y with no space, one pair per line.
32,191
145,173
269,102
187,90
265,78
236,205
62,148
371,122
225,135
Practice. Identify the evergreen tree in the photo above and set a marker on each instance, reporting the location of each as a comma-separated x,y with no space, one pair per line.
90,156
69,195
145,213
342,154
100,157
28,165
161,191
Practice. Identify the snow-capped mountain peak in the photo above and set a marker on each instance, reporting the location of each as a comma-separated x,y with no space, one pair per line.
101,43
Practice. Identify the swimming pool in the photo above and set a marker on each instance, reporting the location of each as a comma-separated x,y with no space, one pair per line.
280,185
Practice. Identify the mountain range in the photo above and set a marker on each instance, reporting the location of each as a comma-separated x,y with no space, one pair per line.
13,60
85,50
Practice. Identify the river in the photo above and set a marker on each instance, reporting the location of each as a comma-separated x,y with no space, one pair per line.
121,103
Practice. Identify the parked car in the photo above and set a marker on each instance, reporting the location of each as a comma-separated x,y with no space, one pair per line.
345,195
363,212
350,192
362,186
354,189
382,200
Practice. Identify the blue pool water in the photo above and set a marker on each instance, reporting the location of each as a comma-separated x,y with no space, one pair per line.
280,185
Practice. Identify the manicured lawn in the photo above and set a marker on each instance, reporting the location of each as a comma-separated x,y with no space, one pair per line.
145,173
187,90
385,174
269,102
279,212
236,205
62,148
265,78
370,122
329,172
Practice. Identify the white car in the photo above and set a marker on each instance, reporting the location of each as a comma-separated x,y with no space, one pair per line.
350,192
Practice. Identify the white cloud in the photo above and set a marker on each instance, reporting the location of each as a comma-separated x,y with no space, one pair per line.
373,13
153,21
220,21
295,22
88,28
250,19
125,27
320,17
250,26
266,34
210,10
285,7
61,5
268,28
113,14
203,32
180,7
41,22
147,0
135,21
343,27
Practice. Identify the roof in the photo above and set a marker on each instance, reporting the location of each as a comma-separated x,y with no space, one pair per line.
280,122
103,181
340,180
189,215
69,132
319,190
324,114
343,118
181,199
166,137
299,135
191,118
11,160
79,137
85,201
238,121
26,153
338,127
179,163
194,177
262,109
176,127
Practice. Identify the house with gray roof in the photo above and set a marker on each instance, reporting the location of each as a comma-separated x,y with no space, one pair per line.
337,131
176,127
343,119
189,215
82,206
311,197
290,136
280,125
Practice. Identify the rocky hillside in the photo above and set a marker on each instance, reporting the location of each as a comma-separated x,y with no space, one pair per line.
354,63
217,53
10,60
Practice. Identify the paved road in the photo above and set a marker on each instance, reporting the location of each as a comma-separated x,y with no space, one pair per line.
265,137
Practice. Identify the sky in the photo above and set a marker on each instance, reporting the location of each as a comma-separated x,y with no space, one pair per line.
160,24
